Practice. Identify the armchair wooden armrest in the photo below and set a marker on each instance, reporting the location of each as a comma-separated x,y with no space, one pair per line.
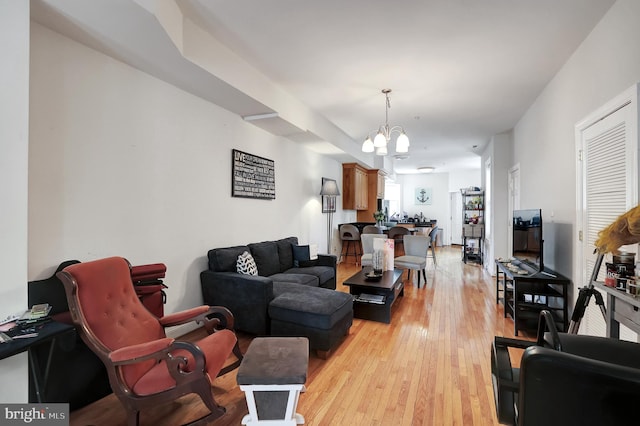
213,318
183,317
140,352
167,350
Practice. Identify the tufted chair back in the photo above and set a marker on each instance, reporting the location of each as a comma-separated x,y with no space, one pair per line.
122,320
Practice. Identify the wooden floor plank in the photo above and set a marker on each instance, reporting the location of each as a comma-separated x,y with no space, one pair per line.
430,366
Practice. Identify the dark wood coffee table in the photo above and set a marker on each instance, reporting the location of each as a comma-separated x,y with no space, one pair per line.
373,299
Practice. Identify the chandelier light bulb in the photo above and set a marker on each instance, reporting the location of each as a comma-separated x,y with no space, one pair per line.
402,143
367,145
382,150
379,141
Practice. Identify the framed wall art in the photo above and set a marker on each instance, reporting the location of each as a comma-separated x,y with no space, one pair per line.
252,176
423,196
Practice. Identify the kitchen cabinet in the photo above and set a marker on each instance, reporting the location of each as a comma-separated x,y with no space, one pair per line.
379,176
375,188
355,185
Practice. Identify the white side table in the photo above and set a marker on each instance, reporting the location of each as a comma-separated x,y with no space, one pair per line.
272,376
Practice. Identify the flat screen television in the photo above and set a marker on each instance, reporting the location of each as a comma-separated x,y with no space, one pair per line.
527,237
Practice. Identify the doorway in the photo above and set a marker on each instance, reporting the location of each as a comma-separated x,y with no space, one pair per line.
455,207
514,202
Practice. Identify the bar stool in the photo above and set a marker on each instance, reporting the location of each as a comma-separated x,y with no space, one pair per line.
371,229
350,237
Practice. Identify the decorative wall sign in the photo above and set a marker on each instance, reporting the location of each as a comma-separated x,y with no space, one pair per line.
252,176
423,196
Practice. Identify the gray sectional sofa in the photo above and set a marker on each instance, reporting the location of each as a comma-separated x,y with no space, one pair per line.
290,296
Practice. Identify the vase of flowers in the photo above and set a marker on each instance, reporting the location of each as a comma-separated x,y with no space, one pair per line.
378,215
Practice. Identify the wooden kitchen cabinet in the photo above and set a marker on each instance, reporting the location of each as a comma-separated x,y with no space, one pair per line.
380,187
355,183
375,191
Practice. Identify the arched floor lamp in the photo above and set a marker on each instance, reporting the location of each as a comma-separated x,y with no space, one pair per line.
329,192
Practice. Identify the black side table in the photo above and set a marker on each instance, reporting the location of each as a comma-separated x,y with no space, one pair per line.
47,335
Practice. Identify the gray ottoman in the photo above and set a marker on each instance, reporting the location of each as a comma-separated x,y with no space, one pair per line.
272,375
323,316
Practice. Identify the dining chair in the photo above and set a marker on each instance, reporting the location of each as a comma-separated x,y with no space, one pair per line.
367,248
432,244
396,233
415,257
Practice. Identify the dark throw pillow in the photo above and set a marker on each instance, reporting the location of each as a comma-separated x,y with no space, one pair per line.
301,255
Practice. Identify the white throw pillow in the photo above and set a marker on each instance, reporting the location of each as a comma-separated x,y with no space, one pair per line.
246,265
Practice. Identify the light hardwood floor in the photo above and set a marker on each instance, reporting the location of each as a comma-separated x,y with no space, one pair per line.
430,366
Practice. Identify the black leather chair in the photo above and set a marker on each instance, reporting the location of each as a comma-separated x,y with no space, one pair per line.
566,379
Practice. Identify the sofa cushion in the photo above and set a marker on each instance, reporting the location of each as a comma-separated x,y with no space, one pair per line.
324,273
303,255
224,259
312,307
246,265
285,253
266,256
299,279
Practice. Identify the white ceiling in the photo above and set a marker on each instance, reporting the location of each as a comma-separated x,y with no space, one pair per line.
460,70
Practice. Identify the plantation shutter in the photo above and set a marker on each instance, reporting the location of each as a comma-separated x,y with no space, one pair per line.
609,149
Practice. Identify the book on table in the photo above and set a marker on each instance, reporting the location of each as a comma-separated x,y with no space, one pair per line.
371,298
37,313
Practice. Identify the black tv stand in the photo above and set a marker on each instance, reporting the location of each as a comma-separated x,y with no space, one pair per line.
527,266
524,291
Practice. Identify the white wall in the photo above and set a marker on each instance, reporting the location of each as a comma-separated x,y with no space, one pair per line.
439,207
14,137
605,64
441,185
459,179
500,152
122,163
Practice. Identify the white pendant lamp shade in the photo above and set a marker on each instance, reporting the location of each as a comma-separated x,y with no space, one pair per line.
367,145
379,140
382,150
402,143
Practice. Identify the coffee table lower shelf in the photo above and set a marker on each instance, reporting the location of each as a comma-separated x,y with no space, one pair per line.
372,300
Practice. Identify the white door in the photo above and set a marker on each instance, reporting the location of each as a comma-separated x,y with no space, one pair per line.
455,202
514,202
607,144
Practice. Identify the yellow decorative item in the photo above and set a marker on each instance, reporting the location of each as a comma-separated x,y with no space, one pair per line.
624,230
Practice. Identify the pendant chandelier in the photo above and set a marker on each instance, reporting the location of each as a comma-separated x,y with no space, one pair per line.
383,137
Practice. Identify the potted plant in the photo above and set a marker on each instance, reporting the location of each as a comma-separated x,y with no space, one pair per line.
378,215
